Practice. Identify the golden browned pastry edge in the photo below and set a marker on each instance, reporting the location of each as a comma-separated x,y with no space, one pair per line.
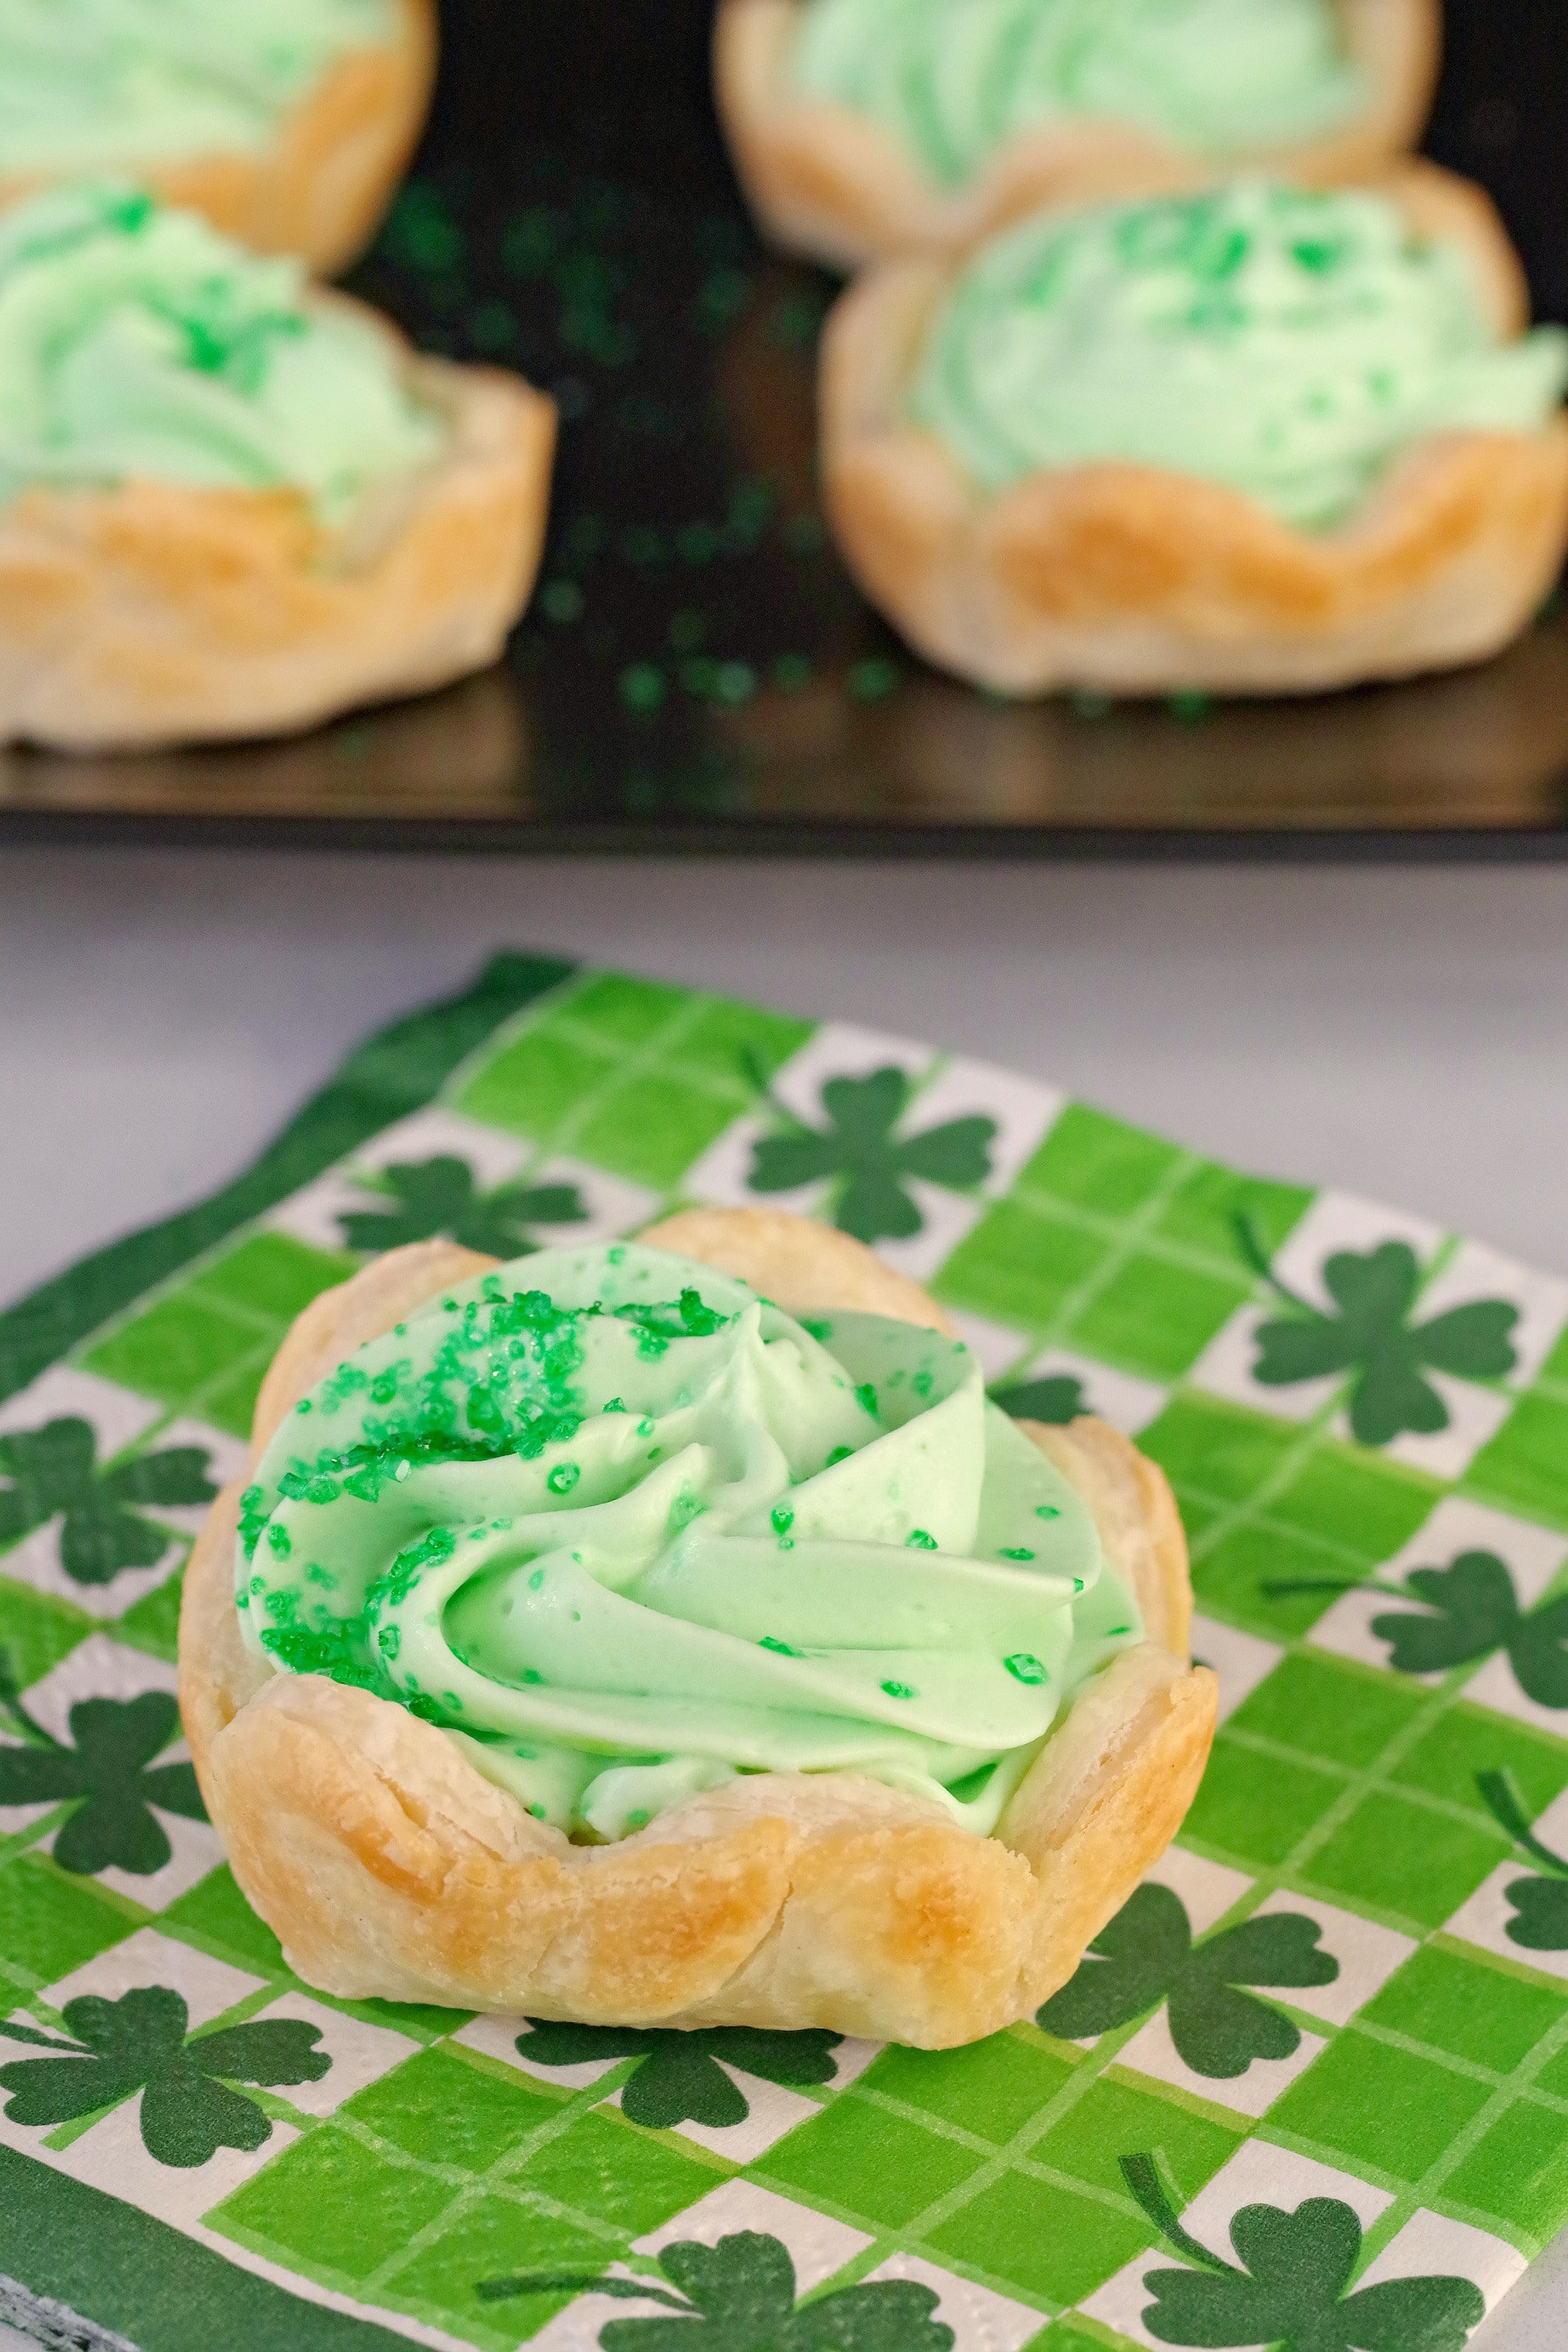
389,1868
826,180
1133,579
152,613
321,188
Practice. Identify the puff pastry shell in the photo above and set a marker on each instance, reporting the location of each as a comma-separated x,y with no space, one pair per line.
826,180
1133,579
320,187
390,1868
153,615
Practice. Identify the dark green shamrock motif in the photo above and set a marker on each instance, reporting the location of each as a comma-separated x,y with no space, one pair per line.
139,2043
1056,1400
1539,1923
869,1164
679,2079
1469,1610
439,1197
53,1474
109,1767
1373,1340
1147,1956
741,2294
1289,2293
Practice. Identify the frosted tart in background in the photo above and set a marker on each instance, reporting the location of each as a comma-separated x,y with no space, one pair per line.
597,1638
287,123
1259,440
863,127
232,504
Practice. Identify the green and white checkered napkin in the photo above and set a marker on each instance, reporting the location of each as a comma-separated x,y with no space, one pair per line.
1311,2087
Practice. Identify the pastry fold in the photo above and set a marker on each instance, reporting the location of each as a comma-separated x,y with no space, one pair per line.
153,614
1129,579
826,180
389,1868
319,187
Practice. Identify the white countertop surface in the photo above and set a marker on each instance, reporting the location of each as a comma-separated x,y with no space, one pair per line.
1401,1032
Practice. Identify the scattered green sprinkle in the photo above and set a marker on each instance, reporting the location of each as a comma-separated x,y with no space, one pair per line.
918,1541
866,1398
1025,1669
780,1649
783,1519
900,1690
1017,1551
564,1477
1047,1511
873,681
643,687
562,600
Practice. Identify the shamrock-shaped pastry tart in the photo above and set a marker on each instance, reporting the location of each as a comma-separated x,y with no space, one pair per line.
673,1636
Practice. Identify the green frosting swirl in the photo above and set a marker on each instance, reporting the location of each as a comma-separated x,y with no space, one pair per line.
136,341
94,85
954,80
625,1529
1290,344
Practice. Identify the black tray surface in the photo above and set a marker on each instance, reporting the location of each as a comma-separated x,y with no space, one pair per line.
697,671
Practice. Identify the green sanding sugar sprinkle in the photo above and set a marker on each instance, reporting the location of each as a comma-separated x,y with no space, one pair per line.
538,1812
536,1580
918,1540
1017,1552
900,1690
783,1517
818,1328
1025,1669
638,1820
780,1649
866,1398
615,1405
1047,1511
839,1454
564,1477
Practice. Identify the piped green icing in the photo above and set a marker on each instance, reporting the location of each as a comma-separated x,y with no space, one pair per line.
113,85
135,340
954,80
601,1651
1290,344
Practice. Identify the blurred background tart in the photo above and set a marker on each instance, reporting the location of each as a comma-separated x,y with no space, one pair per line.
866,126
287,123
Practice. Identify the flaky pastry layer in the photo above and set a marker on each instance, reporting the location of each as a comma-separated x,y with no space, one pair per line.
829,182
153,614
321,185
389,1868
1131,580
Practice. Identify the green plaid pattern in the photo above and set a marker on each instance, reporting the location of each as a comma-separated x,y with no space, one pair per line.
1348,1981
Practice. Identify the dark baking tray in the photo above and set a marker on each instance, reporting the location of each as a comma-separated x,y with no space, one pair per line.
697,672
